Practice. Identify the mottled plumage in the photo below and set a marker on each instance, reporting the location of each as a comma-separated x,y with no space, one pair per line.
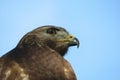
39,56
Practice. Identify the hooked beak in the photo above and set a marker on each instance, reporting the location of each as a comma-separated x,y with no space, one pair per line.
74,42
71,41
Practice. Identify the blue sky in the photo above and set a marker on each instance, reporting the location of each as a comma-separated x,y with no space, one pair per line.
96,23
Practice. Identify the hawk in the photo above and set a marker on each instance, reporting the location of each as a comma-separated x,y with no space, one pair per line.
40,56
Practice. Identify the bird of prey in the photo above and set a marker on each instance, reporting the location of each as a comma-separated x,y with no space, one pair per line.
40,56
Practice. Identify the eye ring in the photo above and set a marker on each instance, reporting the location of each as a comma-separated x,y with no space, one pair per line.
51,31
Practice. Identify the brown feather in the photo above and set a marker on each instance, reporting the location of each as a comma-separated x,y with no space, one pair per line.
37,58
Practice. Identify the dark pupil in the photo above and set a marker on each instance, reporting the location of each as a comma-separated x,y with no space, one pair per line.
51,31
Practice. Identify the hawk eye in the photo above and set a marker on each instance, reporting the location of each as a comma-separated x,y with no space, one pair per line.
51,31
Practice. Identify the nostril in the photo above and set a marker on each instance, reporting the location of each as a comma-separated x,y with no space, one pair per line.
70,36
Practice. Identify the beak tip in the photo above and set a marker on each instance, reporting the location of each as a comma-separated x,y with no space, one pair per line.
77,42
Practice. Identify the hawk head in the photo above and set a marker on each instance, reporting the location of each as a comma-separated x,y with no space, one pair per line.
56,38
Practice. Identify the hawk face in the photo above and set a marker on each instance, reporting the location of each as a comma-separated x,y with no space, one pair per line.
53,37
